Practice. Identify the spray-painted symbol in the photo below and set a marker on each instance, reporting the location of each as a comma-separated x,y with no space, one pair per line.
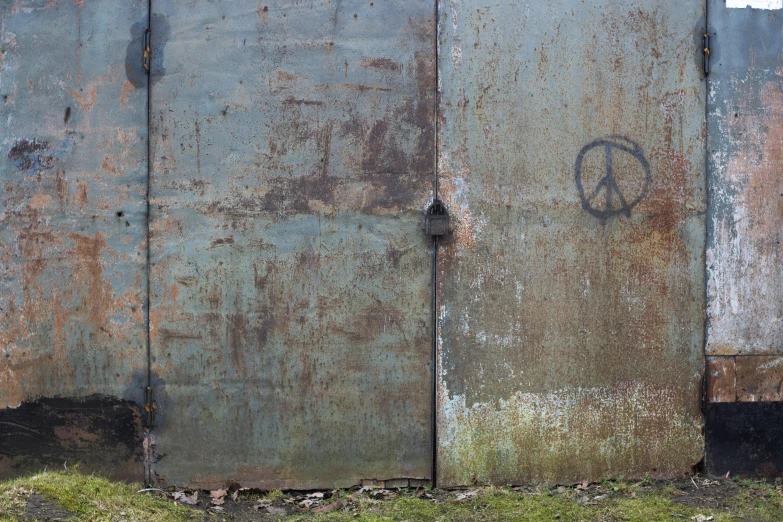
607,199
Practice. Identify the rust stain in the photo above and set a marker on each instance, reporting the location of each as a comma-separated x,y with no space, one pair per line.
383,64
125,90
88,252
108,167
759,378
86,101
721,379
82,193
353,87
296,101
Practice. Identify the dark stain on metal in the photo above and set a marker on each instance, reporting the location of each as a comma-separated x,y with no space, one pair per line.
67,116
384,64
31,155
102,434
134,56
160,31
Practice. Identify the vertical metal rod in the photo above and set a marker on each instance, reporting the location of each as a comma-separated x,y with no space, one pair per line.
434,320
436,182
147,454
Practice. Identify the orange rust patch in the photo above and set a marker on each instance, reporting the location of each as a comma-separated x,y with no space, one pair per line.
86,101
108,167
126,89
384,64
721,379
88,251
82,193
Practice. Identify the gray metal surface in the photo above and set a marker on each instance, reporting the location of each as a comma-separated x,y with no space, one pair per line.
745,129
72,251
292,158
571,321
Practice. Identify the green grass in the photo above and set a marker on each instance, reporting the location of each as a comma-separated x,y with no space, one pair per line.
89,498
92,498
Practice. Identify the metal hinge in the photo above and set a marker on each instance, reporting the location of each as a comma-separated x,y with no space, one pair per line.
146,57
706,52
149,407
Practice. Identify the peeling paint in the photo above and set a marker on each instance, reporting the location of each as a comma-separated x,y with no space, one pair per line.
745,309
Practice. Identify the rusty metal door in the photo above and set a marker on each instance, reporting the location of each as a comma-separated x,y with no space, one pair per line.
571,152
73,165
292,156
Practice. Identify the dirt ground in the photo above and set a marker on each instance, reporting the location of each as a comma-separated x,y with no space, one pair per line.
72,496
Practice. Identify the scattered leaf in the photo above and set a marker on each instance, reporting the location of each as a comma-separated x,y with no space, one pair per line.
184,498
466,495
218,493
334,506
218,501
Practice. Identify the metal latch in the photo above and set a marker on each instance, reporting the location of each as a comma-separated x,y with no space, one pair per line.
436,221
707,52
147,56
149,407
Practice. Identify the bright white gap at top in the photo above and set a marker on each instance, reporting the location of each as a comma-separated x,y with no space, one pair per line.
756,4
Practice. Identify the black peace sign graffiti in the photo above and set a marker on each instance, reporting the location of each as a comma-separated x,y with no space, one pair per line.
614,200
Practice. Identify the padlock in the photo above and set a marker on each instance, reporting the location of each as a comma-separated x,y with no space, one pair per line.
436,221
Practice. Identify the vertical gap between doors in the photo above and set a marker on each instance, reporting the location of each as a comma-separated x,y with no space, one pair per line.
434,303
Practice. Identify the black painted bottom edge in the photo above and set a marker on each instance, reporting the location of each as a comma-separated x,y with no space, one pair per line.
744,439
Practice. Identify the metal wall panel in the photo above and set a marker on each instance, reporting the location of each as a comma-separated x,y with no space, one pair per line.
572,322
745,129
292,156
72,227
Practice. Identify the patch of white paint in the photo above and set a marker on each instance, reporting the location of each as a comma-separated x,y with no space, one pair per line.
755,4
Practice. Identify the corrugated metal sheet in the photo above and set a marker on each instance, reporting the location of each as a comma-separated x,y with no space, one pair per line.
72,228
745,129
572,321
292,158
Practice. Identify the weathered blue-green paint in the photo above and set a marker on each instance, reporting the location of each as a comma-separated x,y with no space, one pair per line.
72,227
745,141
571,336
292,156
